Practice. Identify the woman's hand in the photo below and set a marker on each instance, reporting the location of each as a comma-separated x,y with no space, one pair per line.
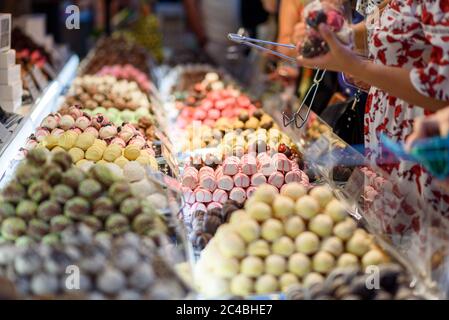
339,58
433,125
299,32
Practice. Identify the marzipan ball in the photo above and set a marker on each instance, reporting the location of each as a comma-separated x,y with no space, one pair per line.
299,264
252,266
283,207
348,260
259,211
307,243
373,257
294,226
307,207
26,209
238,216
323,262
312,279
275,265
227,267
283,246
333,245
259,248
241,285
266,284
231,245
358,245
322,194
248,229
293,190
272,229
335,210
345,229
286,280
12,228
321,225
265,193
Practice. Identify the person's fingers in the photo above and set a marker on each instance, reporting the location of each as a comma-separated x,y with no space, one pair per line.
444,128
422,128
329,36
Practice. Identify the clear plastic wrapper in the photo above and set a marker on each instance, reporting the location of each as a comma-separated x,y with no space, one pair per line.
332,13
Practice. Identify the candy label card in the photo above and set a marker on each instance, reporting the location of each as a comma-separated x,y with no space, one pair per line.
49,70
29,82
39,77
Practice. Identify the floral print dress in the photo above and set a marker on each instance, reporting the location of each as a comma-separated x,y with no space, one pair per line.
412,34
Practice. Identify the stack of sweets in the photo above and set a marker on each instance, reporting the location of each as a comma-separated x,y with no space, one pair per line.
236,179
10,82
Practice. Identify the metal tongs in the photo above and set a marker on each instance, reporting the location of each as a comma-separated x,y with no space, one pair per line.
300,116
251,42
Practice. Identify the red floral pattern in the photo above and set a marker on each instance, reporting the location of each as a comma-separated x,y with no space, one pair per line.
415,35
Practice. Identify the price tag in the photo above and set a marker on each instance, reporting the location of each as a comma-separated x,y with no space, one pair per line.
164,180
29,82
39,77
4,135
355,185
165,141
49,70
170,161
318,148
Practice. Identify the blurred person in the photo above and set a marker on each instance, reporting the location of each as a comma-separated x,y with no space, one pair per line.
212,20
409,76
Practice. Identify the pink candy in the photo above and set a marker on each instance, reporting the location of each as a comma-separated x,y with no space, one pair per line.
250,191
231,166
220,196
189,180
276,179
281,162
293,176
208,182
258,179
189,196
198,206
214,205
249,165
202,195
225,183
241,180
237,194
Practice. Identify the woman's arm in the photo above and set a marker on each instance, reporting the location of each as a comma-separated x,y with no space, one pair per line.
289,16
395,81
194,20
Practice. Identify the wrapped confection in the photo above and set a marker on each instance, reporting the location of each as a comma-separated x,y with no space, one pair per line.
67,140
77,154
112,152
85,140
94,153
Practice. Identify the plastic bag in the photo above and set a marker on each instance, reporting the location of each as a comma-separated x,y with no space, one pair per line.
332,14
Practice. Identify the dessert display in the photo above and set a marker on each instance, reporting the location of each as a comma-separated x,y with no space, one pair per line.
48,194
138,177
110,51
202,224
92,139
236,179
106,91
350,284
213,100
122,268
127,72
283,238
326,12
